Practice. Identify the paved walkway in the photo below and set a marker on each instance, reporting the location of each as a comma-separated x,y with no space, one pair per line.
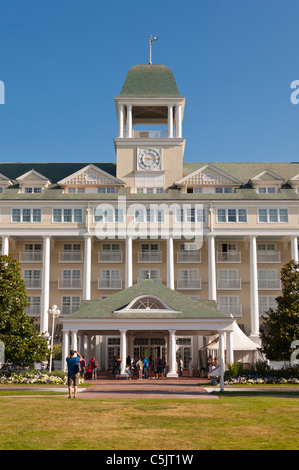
166,388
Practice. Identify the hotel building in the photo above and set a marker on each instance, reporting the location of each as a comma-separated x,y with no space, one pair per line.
150,255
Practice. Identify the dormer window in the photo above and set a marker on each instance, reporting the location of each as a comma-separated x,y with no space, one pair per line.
33,190
266,182
267,190
32,182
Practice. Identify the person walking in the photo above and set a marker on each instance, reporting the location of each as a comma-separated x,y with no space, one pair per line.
139,367
72,361
145,368
83,365
94,365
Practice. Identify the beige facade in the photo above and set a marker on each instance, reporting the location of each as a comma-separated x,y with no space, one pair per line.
245,217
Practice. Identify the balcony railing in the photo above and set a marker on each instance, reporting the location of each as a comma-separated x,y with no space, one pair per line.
150,134
188,284
266,284
31,256
149,257
109,257
33,283
229,257
33,310
268,257
64,283
67,309
159,279
189,256
109,283
229,283
70,257
235,310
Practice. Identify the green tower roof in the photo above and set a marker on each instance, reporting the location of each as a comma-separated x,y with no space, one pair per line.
150,80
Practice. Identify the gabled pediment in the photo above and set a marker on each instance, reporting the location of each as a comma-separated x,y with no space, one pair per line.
294,181
4,181
33,177
267,177
208,175
90,175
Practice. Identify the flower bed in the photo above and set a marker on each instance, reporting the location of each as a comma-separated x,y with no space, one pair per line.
35,377
254,380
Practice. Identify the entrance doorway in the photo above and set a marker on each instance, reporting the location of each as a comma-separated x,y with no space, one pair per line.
149,347
183,350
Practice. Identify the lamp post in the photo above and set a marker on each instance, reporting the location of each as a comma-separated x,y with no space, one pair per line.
55,312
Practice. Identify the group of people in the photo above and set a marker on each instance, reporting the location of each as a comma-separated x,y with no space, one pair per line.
141,367
212,364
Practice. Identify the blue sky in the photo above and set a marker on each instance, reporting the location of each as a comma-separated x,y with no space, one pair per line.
63,62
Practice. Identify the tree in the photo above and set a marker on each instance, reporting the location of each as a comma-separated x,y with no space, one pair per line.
23,345
281,326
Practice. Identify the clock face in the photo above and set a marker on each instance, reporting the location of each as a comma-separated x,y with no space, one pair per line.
149,159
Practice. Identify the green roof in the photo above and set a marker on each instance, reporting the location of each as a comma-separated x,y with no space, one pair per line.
183,306
150,80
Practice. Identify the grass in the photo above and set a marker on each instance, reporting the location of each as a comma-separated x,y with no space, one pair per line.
230,423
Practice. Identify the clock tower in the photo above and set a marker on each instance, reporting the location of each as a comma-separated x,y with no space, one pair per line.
149,147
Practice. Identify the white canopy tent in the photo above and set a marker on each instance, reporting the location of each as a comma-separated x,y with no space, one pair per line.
244,349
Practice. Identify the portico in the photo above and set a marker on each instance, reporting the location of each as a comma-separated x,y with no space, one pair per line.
146,309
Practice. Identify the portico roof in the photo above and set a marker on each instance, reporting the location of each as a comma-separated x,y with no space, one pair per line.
180,306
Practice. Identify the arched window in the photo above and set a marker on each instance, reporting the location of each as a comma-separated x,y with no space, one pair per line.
147,303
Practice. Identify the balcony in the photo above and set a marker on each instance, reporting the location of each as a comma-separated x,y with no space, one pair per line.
113,284
269,284
189,256
110,257
33,283
70,257
69,283
188,284
31,256
268,257
227,284
33,310
149,257
235,310
153,134
229,257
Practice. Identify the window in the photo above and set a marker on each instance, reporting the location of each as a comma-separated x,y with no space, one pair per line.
32,278
26,215
71,279
266,302
67,215
223,190
110,279
147,303
273,215
34,307
154,215
29,190
111,253
70,304
191,215
149,190
228,279
108,215
188,279
231,215
108,190
230,304
267,190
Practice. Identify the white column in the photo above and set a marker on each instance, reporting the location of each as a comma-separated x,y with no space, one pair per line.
75,340
44,320
170,263
178,123
120,120
212,269
221,359
129,121
254,298
294,249
5,245
129,263
123,351
229,347
172,355
87,269
65,348
170,121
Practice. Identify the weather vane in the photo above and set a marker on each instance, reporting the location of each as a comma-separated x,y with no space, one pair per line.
152,39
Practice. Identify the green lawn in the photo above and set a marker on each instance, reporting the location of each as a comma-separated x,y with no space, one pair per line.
243,422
